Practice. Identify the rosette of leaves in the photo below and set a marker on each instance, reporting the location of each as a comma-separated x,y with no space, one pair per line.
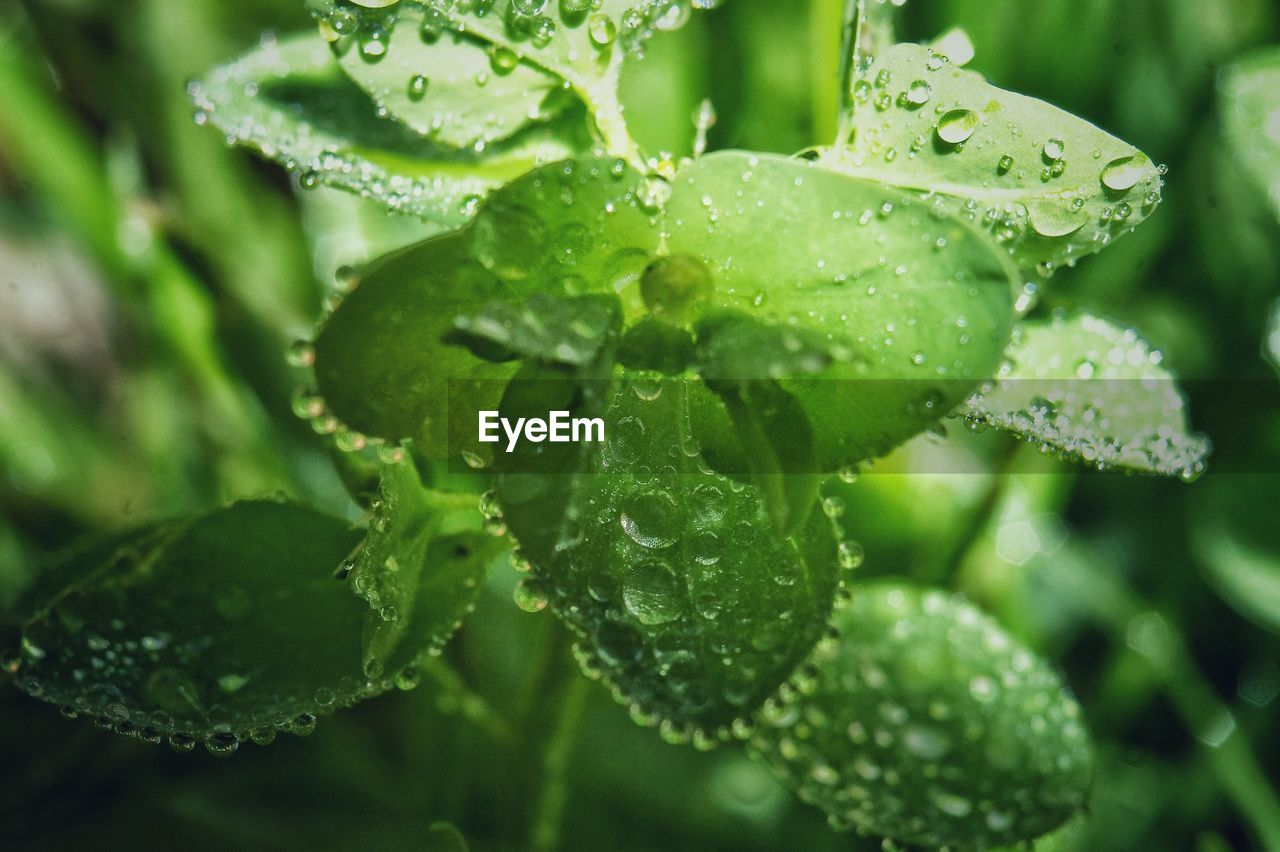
745,323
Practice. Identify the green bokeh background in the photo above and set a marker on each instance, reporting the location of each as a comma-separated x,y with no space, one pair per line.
151,280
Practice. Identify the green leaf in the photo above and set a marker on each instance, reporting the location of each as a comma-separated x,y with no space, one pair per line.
384,363
1050,187
582,43
249,620
445,86
1250,100
687,599
1096,392
290,101
217,626
650,344
924,722
420,571
912,309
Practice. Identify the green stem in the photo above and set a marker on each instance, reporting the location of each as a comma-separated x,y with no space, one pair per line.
1233,759
826,60
855,15
469,704
549,733
548,813
981,517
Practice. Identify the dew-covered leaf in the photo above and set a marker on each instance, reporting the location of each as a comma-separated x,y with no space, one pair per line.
574,227
444,85
581,42
1050,187
1096,392
381,359
226,623
420,570
687,599
290,101
913,308
651,344
1250,99
254,618
925,723
384,363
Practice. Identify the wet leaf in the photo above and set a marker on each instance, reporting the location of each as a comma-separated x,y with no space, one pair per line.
1095,392
924,722
224,623
582,44
687,599
248,620
1050,187
290,101
774,440
446,86
1250,99
882,314
573,40
382,362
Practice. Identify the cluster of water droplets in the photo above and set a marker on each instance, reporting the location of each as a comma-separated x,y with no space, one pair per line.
560,219
395,592
864,303
524,23
1088,390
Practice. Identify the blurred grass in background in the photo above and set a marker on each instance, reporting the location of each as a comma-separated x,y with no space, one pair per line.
151,280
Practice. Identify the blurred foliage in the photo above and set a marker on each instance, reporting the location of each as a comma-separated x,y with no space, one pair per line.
151,279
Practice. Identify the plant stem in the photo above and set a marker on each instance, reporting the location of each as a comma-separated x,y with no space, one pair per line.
559,695
982,514
548,813
826,62
470,706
